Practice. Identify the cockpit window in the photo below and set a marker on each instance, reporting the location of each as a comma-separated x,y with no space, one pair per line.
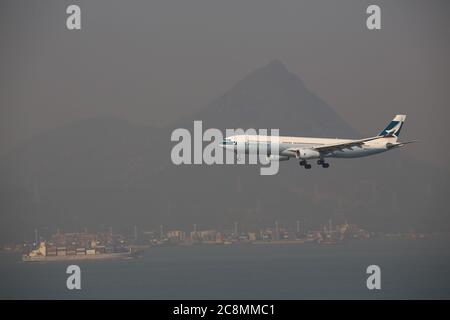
228,142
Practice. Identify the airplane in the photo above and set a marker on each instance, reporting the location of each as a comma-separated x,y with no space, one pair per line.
305,149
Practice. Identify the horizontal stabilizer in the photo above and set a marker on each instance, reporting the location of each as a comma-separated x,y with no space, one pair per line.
399,144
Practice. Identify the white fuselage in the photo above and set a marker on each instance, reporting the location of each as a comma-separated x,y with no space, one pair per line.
249,144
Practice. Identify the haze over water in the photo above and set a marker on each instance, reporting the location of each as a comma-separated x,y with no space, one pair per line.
410,269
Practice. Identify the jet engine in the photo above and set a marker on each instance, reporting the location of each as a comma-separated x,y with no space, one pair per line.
307,154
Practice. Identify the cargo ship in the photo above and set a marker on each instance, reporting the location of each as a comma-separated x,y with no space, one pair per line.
47,253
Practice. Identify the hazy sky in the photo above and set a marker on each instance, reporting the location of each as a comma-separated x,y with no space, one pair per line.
154,61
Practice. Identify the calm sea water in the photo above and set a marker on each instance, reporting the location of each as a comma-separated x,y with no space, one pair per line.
409,270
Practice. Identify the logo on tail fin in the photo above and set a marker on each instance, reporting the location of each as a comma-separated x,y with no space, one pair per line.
394,127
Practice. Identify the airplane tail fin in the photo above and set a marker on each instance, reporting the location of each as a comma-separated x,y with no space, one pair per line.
394,127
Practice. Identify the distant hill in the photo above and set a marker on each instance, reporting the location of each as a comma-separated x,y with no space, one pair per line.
105,171
272,97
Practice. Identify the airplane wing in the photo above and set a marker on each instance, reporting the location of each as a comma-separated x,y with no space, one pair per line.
343,145
327,148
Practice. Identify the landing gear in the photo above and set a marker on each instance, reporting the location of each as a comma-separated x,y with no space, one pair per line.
305,164
322,163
